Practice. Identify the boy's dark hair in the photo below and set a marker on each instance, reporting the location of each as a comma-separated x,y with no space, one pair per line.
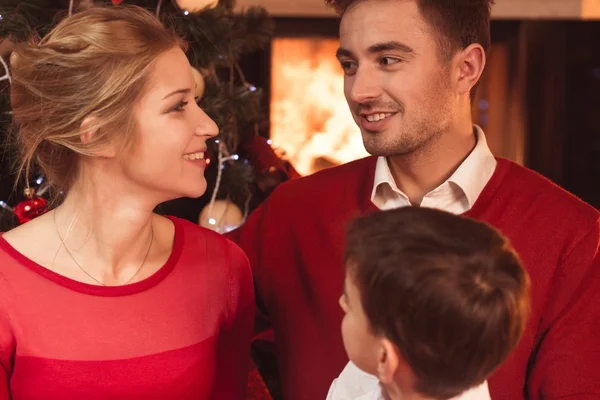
456,24
447,290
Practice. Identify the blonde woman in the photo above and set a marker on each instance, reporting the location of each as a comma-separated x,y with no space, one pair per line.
100,298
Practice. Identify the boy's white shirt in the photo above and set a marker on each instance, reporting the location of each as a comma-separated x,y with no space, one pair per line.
355,384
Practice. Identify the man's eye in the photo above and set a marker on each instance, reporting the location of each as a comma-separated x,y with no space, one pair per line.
348,66
389,60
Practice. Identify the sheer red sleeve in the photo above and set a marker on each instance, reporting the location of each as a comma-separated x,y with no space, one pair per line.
236,333
6,343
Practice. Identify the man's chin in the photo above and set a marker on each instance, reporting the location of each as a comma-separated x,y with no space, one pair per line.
377,149
385,151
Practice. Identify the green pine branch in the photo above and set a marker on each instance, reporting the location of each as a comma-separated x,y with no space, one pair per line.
22,17
252,30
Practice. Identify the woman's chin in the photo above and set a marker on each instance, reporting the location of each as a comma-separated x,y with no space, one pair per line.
192,190
197,190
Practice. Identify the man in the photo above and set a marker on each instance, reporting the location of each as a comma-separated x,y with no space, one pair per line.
411,67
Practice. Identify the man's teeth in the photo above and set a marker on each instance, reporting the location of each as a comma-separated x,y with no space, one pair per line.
376,117
194,156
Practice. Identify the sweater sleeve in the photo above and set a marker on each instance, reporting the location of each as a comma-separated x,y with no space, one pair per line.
252,237
7,345
233,353
566,364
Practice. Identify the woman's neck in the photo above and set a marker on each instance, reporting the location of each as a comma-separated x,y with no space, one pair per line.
107,236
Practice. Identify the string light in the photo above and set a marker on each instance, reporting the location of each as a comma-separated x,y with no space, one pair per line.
6,206
44,187
6,76
213,197
223,157
234,157
158,7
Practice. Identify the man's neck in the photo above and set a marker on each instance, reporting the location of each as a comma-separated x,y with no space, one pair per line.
419,173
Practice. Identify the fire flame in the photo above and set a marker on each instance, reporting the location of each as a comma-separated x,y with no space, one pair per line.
310,119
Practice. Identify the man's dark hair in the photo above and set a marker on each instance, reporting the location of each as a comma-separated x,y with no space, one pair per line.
456,24
448,291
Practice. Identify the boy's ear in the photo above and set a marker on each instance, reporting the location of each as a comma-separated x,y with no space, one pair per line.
392,368
388,361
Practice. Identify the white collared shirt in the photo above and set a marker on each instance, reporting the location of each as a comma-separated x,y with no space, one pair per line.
355,384
456,195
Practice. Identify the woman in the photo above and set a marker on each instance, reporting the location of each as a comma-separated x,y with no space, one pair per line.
101,298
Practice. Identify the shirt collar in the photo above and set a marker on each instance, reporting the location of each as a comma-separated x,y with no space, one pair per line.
475,171
383,175
471,176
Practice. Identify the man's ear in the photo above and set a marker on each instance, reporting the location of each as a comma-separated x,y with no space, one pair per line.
88,130
470,64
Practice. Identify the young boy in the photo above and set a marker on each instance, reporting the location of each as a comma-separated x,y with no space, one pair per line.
433,302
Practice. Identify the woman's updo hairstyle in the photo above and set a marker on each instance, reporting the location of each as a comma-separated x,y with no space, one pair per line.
94,63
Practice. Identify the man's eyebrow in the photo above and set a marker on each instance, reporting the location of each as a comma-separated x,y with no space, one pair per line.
341,52
378,48
390,45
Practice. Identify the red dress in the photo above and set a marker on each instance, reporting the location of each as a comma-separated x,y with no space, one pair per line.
182,333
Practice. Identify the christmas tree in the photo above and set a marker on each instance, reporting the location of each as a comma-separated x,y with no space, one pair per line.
242,169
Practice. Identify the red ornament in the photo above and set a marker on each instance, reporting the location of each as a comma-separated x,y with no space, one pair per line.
30,208
116,2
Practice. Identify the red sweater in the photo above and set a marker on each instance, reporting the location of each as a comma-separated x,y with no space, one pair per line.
295,241
182,333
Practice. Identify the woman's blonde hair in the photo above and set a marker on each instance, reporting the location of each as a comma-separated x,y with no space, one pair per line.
95,63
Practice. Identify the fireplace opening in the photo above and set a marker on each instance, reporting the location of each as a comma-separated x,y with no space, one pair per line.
310,119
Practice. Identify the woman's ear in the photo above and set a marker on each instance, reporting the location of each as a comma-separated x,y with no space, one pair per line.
88,130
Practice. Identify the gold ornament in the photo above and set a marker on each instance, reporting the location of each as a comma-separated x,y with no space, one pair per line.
200,85
224,216
195,5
